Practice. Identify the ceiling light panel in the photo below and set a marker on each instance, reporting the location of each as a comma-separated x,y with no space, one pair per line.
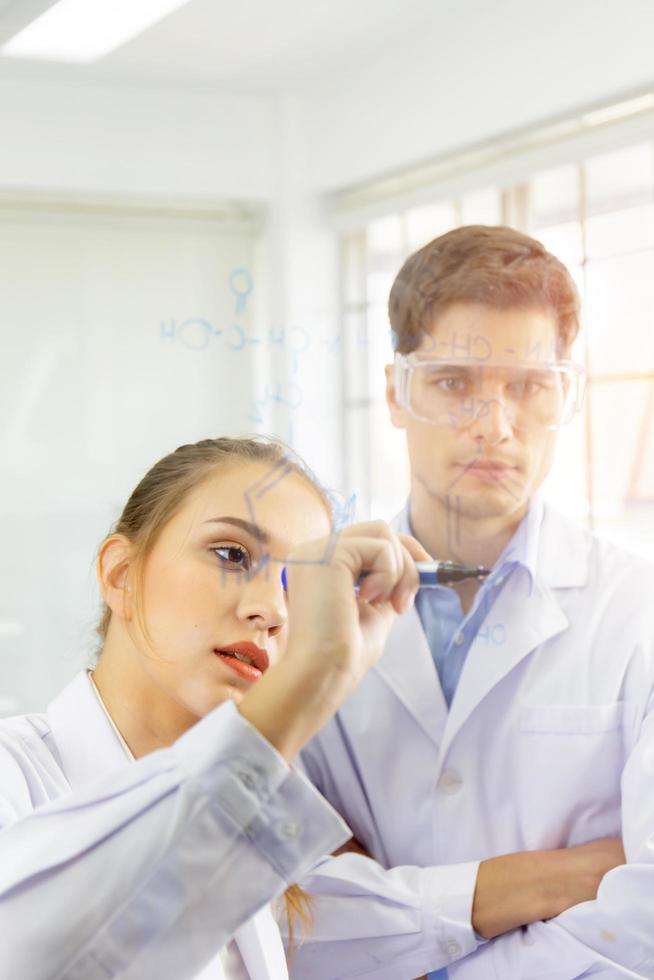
85,30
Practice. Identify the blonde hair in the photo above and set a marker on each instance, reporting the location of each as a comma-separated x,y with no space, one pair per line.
158,497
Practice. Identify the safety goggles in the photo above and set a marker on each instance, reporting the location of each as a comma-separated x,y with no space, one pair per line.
458,392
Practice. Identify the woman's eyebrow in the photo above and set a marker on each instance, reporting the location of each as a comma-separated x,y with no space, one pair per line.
257,532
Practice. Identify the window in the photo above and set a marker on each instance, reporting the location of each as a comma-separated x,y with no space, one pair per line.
597,215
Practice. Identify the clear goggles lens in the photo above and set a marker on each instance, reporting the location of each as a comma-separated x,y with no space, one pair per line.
457,393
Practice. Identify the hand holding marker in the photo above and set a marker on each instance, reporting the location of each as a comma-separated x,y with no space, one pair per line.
433,573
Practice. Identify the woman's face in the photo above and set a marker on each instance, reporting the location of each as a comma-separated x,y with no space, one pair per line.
213,581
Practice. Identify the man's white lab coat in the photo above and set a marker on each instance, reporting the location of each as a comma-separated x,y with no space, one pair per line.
549,742
145,870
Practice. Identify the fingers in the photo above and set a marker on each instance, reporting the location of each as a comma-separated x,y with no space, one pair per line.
404,593
380,561
391,575
414,548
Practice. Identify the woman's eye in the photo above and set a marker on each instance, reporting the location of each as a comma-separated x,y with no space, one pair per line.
233,556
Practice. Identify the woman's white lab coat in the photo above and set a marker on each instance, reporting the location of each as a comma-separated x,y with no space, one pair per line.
147,869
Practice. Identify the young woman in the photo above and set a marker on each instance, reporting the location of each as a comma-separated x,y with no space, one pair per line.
150,815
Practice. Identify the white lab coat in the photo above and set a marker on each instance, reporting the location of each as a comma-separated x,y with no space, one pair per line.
549,742
145,870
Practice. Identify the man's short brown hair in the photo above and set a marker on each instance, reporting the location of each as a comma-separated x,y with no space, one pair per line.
492,266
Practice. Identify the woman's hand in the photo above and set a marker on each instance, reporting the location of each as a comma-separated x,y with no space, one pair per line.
335,633
332,629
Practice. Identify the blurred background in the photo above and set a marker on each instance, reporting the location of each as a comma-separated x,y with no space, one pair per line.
202,209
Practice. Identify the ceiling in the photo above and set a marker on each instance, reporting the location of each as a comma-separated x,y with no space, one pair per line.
253,46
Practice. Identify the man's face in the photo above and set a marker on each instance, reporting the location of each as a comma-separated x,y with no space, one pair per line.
482,465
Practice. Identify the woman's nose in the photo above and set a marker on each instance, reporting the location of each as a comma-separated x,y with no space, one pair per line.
263,601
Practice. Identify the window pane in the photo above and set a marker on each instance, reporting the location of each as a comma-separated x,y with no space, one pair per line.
357,421
619,312
616,232
619,201
427,222
353,259
622,441
389,464
554,197
620,178
553,212
563,240
633,530
577,273
380,280
481,208
355,341
566,486
385,237
379,349
642,480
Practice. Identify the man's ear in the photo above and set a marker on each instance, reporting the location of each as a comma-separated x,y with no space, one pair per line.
396,411
114,578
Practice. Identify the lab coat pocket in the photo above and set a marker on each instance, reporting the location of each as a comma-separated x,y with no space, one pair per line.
570,760
576,719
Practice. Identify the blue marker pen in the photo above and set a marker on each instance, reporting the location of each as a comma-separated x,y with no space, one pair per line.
433,573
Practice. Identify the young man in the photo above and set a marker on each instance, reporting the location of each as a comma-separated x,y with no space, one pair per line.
510,717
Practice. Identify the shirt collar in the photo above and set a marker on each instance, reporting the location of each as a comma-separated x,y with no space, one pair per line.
522,549
85,737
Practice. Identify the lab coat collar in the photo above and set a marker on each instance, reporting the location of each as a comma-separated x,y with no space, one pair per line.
562,562
412,676
540,618
83,735
523,546
564,552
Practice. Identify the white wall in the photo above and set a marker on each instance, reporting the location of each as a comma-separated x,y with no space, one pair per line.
302,264
489,69
100,138
118,344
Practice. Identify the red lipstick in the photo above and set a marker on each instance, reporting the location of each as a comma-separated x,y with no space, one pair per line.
246,659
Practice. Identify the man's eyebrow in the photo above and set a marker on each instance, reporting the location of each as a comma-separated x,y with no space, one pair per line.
442,367
257,532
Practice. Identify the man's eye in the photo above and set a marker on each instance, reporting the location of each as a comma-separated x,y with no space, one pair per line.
526,389
233,557
453,385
